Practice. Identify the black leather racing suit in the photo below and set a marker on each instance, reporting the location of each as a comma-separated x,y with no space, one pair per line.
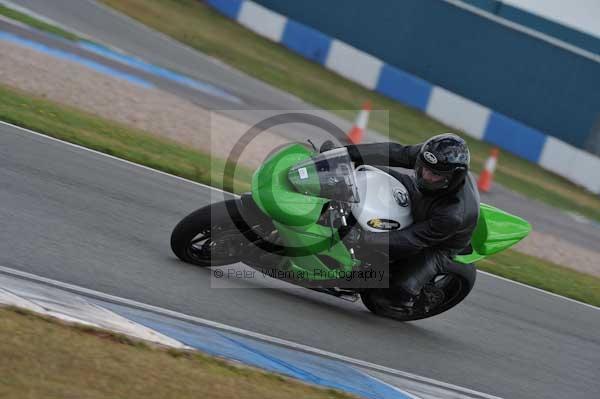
443,222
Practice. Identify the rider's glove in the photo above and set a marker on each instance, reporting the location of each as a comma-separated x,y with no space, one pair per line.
326,146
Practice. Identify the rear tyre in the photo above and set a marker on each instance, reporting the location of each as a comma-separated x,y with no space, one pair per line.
209,236
443,292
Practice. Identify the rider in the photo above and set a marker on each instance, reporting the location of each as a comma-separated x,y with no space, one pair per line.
445,208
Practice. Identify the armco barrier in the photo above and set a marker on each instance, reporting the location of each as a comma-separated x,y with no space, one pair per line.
474,119
511,69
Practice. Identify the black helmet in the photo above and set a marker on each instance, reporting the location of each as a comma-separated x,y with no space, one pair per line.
442,164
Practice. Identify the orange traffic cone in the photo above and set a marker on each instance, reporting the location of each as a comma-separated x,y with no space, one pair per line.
484,183
356,133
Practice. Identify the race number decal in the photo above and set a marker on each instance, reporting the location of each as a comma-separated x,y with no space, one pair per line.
303,173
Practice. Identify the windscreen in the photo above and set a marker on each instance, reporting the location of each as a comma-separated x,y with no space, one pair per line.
328,175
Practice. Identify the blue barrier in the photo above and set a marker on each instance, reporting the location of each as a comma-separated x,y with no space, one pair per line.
229,8
404,87
306,41
514,137
504,69
501,130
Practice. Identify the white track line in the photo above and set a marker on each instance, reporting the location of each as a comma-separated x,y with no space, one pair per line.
45,136
539,290
225,192
239,331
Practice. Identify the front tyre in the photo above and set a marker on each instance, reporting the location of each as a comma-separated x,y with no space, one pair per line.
442,293
209,236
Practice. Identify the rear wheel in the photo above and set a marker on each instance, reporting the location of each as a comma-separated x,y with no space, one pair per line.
209,236
442,293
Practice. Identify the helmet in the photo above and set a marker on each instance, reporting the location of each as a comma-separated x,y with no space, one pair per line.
442,163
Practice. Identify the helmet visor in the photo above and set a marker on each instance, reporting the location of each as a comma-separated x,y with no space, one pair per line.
430,179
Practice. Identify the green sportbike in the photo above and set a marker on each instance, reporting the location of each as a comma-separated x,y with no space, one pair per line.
291,227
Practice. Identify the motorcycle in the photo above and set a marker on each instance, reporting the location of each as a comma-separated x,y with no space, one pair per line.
292,225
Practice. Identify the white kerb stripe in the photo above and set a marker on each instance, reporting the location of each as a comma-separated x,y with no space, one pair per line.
458,112
354,64
262,20
247,333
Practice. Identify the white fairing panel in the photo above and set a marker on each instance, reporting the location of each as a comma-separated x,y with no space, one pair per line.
384,201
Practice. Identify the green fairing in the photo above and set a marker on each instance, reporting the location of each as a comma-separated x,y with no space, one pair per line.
313,240
496,231
276,196
295,216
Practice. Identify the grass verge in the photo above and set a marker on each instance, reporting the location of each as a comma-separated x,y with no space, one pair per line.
44,357
78,127
197,25
36,23
85,129
544,275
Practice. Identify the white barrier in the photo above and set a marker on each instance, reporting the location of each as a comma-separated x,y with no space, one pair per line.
263,21
585,170
558,156
354,64
458,112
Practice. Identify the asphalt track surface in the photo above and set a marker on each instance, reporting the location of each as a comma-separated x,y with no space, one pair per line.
111,28
97,222
102,224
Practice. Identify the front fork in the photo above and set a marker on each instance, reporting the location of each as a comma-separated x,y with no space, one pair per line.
337,211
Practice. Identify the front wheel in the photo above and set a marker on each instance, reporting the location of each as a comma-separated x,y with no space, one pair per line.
209,236
442,293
